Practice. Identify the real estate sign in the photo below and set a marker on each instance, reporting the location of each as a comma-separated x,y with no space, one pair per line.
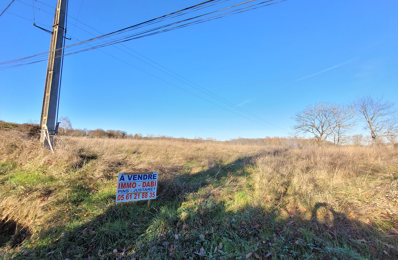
134,186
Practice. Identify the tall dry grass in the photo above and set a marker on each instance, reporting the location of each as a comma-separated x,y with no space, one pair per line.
322,184
98,161
360,183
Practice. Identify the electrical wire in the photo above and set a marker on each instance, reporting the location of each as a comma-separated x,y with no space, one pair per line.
8,12
192,84
184,80
33,11
45,4
138,25
12,1
150,32
151,21
35,7
176,86
77,19
36,58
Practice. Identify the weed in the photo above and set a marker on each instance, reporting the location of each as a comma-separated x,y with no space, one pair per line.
214,200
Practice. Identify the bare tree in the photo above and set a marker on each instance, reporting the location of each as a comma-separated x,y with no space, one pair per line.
339,135
379,117
357,140
324,120
392,139
344,122
65,125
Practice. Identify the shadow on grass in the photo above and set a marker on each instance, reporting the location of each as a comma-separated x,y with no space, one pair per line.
10,231
172,186
179,226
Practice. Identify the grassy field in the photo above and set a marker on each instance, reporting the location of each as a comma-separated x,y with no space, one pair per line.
215,201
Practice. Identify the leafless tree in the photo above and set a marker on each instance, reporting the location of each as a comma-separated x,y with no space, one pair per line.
379,117
344,122
339,135
65,125
357,140
324,120
392,139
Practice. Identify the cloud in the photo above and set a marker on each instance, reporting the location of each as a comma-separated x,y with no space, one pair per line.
244,102
322,71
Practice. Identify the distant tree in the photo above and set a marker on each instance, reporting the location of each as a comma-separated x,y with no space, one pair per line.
379,117
357,140
392,139
339,136
120,134
85,132
76,132
111,133
65,125
98,133
137,136
324,120
344,123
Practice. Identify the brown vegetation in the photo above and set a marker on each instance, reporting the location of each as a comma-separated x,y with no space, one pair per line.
342,190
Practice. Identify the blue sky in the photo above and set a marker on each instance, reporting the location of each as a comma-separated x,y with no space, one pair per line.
273,62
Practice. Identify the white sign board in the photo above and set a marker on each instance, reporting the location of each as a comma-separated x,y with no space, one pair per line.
135,186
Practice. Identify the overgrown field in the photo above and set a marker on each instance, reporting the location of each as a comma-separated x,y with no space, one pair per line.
215,201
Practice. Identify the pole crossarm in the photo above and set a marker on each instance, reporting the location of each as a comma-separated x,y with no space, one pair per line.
50,32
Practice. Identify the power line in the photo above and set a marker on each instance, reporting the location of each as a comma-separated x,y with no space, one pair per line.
53,7
178,77
182,79
155,20
194,85
197,87
176,86
33,11
160,29
76,20
8,12
7,7
146,23
34,7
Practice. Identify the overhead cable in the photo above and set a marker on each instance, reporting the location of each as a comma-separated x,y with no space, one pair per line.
79,47
7,7
174,75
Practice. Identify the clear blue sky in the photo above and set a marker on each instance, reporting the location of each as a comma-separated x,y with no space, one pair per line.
272,61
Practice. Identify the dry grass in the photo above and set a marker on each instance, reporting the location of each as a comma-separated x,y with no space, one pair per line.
99,161
359,182
345,194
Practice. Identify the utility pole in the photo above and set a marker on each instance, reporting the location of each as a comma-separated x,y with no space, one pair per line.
49,112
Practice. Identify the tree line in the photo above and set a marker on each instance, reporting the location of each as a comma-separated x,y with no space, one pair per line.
327,122
324,123
66,129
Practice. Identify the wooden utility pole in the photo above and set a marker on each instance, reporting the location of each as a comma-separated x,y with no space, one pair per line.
49,112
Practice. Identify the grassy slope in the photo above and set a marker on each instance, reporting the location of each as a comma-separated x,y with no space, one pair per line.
215,201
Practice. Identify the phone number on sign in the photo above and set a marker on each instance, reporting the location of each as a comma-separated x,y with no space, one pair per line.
135,196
